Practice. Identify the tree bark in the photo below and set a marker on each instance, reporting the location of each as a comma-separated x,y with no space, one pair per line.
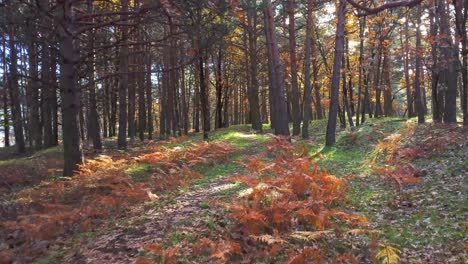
279,113
335,86
417,81
73,155
15,94
296,109
252,90
123,83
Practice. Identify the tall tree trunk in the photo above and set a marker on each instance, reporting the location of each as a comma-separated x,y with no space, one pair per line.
362,24
409,95
15,94
123,83
461,16
6,85
54,100
417,81
388,94
335,86
436,113
252,90
306,116
73,154
93,116
47,90
141,78
196,98
278,91
149,94
449,61
347,108
296,109
376,83
33,90
219,89
204,97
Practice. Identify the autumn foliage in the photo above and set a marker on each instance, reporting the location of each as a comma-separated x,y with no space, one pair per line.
288,198
101,188
397,152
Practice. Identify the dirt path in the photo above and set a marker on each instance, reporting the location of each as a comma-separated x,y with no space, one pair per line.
122,246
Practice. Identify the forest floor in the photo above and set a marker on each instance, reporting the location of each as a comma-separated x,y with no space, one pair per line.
400,192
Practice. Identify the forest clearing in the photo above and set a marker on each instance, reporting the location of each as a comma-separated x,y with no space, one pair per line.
233,131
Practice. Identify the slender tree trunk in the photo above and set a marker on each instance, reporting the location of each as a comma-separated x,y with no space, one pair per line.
335,86
417,81
388,94
15,94
54,99
409,96
33,90
196,98
149,94
6,85
306,116
252,90
219,90
47,90
296,109
93,116
461,16
362,24
347,108
376,84
123,83
204,98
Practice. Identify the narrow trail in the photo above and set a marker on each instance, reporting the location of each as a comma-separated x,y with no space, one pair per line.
122,243
121,246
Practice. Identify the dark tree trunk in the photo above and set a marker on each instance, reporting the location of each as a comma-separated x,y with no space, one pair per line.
335,86
362,25
296,109
204,98
219,90
461,16
149,94
196,98
47,95
307,114
388,95
73,155
417,81
123,84
252,90
449,62
409,96
6,85
35,131
15,94
93,117
279,113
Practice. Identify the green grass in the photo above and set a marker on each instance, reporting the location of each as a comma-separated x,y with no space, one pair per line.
139,171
